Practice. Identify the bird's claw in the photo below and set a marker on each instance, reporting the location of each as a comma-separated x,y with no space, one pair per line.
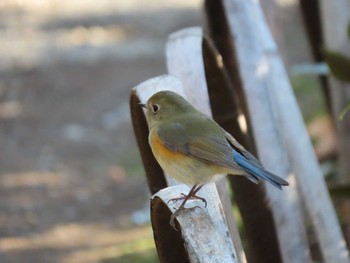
183,196
178,212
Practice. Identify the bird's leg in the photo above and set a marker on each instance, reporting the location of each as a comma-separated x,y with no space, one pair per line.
189,196
185,198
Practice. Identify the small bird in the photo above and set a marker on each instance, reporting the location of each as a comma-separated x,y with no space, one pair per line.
192,148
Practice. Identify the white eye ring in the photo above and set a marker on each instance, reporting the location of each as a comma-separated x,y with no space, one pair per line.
155,108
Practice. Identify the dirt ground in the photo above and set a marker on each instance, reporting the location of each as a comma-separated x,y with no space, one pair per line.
70,173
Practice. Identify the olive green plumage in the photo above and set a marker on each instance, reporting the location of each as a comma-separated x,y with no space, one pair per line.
201,148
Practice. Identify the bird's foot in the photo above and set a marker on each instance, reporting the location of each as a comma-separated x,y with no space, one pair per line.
178,212
192,197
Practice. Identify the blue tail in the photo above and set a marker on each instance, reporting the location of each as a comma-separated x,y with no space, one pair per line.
258,171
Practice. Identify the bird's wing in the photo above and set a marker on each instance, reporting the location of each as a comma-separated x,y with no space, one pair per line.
252,165
202,139
239,148
205,140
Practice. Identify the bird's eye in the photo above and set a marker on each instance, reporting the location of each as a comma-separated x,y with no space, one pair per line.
155,108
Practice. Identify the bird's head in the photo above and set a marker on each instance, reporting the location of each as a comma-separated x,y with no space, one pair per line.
165,105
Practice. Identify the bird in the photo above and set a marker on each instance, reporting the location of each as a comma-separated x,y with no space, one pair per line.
195,150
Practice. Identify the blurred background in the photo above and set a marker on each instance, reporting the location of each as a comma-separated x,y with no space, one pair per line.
72,186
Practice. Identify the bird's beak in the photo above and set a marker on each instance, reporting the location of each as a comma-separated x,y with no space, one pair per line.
143,105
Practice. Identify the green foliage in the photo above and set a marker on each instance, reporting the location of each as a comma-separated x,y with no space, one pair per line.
339,65
141,251
340,190
148,256
344,111
309,96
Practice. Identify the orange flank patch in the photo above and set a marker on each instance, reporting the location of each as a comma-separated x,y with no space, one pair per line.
163,152
184,168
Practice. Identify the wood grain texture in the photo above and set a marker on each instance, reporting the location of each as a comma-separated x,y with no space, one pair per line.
185,60
214,244
228,104
253,49
169,243
283,143
205,231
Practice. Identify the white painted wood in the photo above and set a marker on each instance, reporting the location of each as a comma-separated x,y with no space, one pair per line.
244,20
282,141
207,237
185,61
204,229
146,89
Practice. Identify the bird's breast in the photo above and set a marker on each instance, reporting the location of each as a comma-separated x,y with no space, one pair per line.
184,168
161,151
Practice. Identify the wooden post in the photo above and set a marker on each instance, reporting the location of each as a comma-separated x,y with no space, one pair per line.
283,143
169,243
204,230
185,61
246,23
229,106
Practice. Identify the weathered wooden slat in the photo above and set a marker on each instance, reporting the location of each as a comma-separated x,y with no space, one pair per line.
169,243
154,174
207,237
185,60
281,137
228,104
204,229
245,19
240,17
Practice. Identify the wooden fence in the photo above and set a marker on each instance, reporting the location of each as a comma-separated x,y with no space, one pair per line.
247,91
